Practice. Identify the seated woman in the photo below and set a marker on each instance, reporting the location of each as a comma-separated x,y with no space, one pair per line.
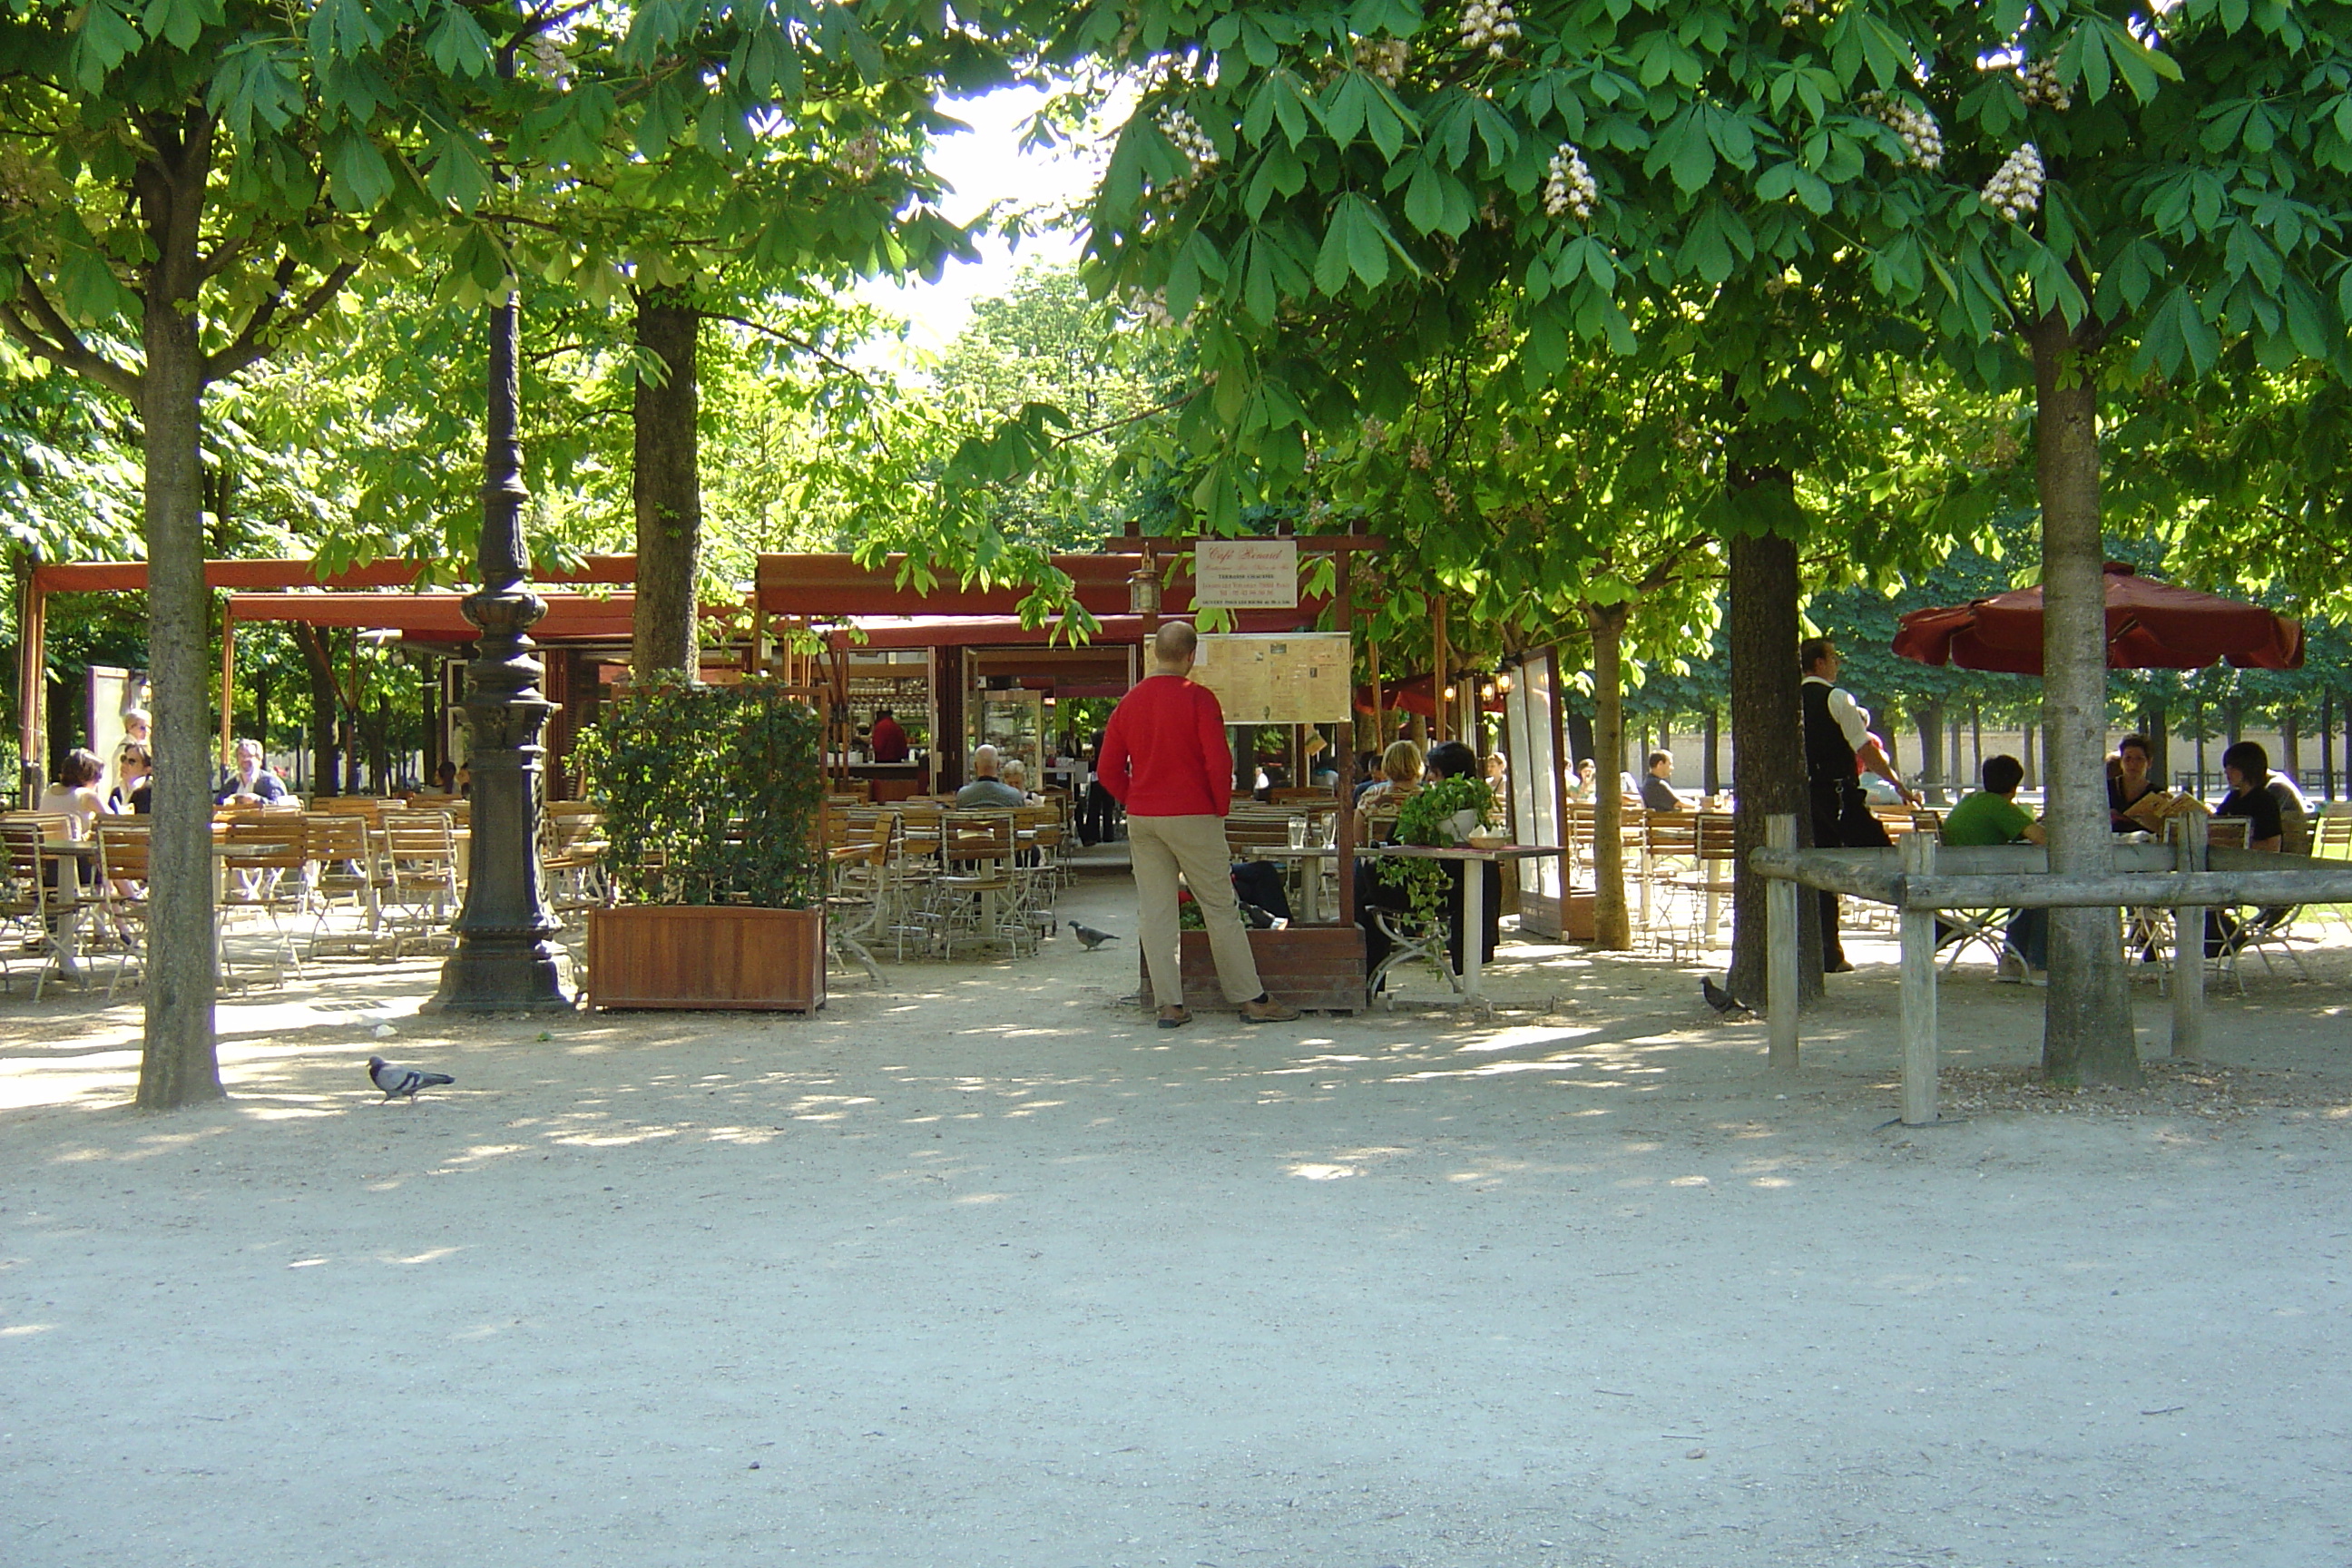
1400,776
75,794
2128,783
1450,760
134,782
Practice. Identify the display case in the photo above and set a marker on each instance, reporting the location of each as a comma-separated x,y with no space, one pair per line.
1013,722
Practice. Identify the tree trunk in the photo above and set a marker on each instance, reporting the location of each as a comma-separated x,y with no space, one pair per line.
178,1066
2156,723
1710,766
667,485
1613,926
2290,743
2087,1024
326,706
1929,717
2025,742
1768,757
2327,746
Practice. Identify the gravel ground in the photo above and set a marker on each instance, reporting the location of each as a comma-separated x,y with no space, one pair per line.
982,1269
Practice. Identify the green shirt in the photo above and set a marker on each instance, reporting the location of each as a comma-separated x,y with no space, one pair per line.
1985,817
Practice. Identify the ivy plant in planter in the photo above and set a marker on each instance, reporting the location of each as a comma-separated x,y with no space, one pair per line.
1436,815
713,798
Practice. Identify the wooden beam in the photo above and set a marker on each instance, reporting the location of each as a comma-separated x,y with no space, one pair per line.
1818,868
2169,888
1780,944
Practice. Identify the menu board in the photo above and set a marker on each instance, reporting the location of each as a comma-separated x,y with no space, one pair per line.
1246,573
1276,677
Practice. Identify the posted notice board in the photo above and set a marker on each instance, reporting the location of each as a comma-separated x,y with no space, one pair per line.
1246,573
1277,678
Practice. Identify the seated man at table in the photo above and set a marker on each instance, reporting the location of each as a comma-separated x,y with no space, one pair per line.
2252,796
1992,816
251,784
988,789
1658,792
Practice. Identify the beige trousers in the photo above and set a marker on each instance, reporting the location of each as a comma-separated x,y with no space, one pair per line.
1160,847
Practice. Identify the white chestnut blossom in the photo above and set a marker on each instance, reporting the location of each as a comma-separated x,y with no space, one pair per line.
1567,185
1491,26
1178,125
1923,139
2038,86
1383,59
2015,189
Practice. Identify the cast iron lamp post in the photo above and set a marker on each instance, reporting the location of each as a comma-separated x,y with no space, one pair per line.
503,962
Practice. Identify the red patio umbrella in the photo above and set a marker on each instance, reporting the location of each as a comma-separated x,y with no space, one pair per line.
2151,625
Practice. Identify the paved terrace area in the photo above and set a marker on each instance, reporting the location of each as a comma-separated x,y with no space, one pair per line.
982,1270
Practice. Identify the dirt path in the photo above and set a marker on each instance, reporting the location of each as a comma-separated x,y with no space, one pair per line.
981,1270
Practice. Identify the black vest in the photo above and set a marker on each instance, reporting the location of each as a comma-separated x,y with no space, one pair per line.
1828,761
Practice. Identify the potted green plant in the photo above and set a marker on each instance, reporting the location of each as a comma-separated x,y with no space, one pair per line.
1449,811
713,798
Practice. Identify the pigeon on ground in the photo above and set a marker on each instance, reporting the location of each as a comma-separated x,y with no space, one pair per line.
395,1080
1092,938
1723,1001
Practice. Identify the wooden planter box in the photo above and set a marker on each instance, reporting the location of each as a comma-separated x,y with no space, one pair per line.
1314,968
1576,920
722,956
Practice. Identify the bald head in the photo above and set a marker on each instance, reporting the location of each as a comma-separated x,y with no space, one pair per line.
1172,646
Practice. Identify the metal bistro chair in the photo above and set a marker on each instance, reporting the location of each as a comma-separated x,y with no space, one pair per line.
123,891
264,871
420,854
859,900
40,916
974,888
347,871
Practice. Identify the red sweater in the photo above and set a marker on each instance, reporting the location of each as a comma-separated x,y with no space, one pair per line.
1164,751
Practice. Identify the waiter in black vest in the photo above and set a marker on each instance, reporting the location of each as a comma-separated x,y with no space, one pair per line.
1837,742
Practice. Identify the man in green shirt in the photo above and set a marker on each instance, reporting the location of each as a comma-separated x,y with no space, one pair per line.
1992,816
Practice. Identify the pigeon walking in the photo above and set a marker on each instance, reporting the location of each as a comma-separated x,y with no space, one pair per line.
1723,1001
397,1082
1091,938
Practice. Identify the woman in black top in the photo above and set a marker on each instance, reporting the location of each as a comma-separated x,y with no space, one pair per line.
2129,783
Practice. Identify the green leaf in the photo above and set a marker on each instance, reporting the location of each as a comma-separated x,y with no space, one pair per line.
458,45
360,177
105,39
1332,262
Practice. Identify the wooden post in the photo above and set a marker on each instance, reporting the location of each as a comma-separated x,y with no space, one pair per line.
32,686
1918,1024
1440,656
2189,948
1372,664
228,687
1781,950
1344,619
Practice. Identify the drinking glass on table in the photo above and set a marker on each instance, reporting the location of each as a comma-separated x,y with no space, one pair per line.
1298,833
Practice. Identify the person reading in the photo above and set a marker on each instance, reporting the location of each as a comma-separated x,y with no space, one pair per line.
250,784
1165,758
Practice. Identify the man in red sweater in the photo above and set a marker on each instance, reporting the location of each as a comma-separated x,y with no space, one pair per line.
1164,756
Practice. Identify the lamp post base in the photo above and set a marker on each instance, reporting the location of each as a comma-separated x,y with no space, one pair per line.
481,978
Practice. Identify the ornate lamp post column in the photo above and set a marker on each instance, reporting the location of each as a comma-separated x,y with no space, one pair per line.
503,962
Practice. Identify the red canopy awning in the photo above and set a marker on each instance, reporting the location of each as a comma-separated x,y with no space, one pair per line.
2151,625
1414,694
1006,630
130,577
439,617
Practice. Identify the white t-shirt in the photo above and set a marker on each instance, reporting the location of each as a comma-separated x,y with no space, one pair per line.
1852,718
